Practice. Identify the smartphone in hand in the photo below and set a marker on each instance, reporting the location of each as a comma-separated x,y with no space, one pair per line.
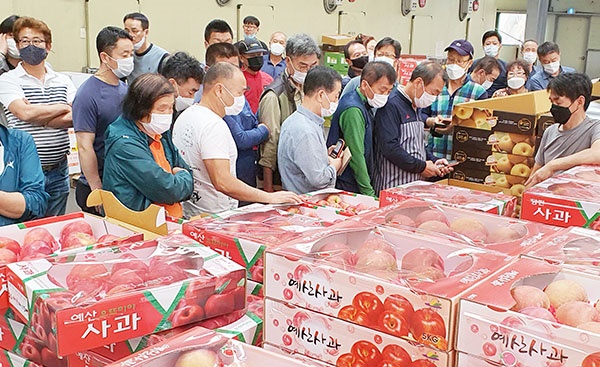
337,150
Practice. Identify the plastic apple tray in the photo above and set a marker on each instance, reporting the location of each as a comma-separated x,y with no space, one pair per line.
345,203
102,298
382,278
506,235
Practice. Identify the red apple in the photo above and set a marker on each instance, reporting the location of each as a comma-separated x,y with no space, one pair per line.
87,277
197,358
7,256
78,226
50,359
187,314
130,262
430,214
421,257
162,273
40,234
10,244
126,277
35,250
219,304
77,240
427,323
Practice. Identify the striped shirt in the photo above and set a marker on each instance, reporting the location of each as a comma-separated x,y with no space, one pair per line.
399,145
443,104
52,144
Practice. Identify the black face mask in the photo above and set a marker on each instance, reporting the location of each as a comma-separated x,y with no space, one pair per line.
561,114
255,63
360,62
33,55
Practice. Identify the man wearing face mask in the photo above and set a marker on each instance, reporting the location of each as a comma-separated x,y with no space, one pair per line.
457,90
303,157
207,146
400,154
185,73
282,97
492,43
97,104
485,72
353,121
9,52
38,100
274,61
549,55
529,54
574,139
251,27
251,60
147,56
357,57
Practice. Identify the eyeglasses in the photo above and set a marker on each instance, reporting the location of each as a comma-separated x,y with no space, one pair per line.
511,74
463,62
382,54
36,42
249,26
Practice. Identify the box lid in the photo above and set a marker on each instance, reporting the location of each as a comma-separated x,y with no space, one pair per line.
532,103
596,87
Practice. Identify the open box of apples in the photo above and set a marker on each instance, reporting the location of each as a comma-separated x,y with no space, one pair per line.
494,203
506,235
96,298
345,203
532,313
70,233
243,235
199,347
400,283
585,173
563,202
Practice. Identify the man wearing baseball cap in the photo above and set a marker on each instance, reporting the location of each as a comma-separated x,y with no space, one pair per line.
251,59
459,89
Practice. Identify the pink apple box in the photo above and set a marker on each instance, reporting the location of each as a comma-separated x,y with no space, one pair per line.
243,235
307,361
488,329
100,298
563,202
587,173
327,281
467,360
341,343
574,248
482,230
54,225
345,203
460,197
203,347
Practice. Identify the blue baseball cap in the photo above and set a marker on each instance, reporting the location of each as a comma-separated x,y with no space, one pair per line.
463,47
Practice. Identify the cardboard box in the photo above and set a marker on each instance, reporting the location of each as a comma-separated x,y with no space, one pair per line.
563,203
493,162
10,359
515,184
243,235
446,194
345,203
227,352
544,122
336,39
596,88
93,300
589,174
488,329
492,141
325,281
333,340
54,225
513,114
505,235
307,361
85,359
468,360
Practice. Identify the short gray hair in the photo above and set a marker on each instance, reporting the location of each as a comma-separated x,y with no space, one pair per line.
301,45
428,70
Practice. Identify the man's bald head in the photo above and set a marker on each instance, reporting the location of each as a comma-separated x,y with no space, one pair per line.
221,72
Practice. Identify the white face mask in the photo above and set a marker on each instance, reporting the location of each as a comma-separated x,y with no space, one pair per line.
385,59
159,123
371,56
277,49
181,103
454,71
425,100
491,50
552,67
137,46
515,83
13,50
486,84
236,107
124,67
298,76
378,100
530,57
326,112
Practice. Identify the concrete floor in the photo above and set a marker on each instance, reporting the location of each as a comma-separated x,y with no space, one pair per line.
71,204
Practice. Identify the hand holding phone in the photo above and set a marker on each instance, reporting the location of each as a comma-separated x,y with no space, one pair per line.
338,149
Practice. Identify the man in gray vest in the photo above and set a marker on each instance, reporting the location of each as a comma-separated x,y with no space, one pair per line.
147,56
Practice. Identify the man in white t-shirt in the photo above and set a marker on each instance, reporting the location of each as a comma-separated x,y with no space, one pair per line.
206,144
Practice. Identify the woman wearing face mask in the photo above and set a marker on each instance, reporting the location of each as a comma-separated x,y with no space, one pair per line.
142,166
9,52
517,74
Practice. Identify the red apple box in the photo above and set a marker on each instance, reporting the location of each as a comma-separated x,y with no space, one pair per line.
345,203
489,329
42,237
562,202
482,230
202,347
586,173
109,297
381,278
460,197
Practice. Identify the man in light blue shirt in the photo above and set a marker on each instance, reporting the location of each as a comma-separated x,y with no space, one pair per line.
302,155
549,56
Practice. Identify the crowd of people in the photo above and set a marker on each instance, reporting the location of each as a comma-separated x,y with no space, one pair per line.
191,136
